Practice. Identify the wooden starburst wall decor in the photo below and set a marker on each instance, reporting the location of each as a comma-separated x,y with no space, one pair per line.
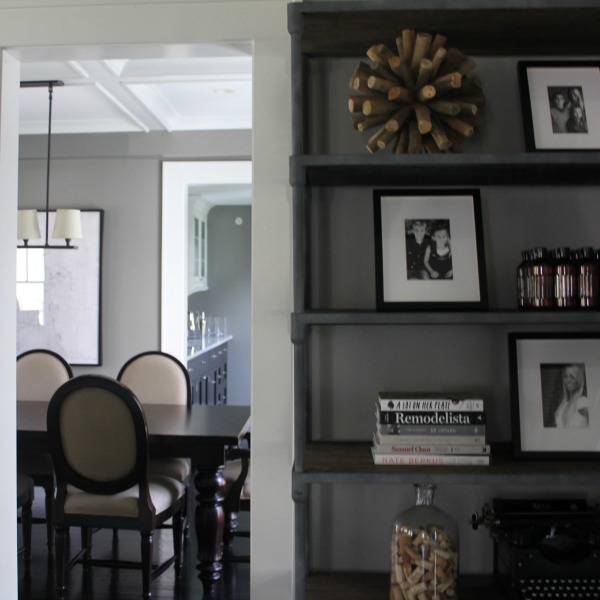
420,99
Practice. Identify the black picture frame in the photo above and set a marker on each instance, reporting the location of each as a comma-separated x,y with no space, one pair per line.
66,315
555,395
403,280
549,123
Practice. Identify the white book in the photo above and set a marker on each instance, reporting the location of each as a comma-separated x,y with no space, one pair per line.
430,459
447,430
434,439
431,404
481,449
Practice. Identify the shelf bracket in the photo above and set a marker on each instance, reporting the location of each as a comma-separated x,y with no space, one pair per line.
300,493
299,329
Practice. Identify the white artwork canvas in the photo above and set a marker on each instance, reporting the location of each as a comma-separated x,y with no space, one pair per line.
59,294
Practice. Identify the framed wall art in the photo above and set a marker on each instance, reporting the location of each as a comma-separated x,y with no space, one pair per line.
59,294
560,104
429,250
555,395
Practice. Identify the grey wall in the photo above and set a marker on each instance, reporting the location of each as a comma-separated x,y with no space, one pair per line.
228,294
121,173
106,27
350,365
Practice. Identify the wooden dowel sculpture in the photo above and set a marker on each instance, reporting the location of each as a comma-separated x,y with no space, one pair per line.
419,98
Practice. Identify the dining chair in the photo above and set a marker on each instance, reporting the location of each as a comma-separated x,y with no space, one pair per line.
157,377
99,444
25,495
238,493
40,372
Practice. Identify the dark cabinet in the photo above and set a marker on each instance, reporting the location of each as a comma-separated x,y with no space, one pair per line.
208,375
198,369
217,393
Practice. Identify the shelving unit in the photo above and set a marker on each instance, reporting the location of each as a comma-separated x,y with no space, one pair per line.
325,164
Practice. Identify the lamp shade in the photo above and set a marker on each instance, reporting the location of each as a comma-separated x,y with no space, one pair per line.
28,226
67,224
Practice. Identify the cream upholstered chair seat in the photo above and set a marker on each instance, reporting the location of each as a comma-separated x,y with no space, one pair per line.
40,373
177,468
162,492
99,443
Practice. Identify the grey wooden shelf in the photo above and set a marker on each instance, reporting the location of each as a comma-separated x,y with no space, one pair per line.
302,321
375,586
542,168
498,28
352,462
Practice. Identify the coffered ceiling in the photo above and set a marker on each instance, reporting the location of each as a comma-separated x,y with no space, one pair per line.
211,90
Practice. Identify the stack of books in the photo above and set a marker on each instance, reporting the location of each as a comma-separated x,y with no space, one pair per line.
430,429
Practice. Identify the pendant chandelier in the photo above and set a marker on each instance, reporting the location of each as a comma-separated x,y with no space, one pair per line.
67,224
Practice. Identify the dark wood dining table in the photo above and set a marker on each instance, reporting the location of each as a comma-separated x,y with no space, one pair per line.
201,433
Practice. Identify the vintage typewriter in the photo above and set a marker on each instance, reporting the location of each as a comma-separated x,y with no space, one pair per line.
544,549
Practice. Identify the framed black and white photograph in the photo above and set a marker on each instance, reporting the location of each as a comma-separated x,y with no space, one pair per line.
429,250
59,294
555,389
561,104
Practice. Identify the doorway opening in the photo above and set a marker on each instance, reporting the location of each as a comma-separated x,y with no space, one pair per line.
224,190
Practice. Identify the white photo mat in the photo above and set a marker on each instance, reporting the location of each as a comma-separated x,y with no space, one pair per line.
541,80
530,355
459,209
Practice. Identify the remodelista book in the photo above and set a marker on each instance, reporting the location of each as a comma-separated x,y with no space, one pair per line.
430,459
441,417
430,401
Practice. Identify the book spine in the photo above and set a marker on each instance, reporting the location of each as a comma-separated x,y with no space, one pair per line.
431,404
431,449
432,440
404,417
418,459
432,429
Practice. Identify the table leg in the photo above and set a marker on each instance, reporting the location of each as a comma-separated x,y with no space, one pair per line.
210,519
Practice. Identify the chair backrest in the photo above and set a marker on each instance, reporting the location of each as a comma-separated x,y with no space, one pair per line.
40,373
157,377
97,436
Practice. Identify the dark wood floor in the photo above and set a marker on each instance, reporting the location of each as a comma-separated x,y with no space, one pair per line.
101,583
